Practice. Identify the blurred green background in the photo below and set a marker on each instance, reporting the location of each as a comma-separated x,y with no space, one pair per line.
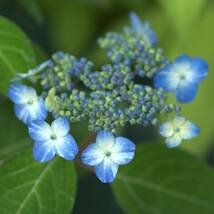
182,26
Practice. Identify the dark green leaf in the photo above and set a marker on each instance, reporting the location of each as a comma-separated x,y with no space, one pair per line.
13,132
30,187
162,180
16,53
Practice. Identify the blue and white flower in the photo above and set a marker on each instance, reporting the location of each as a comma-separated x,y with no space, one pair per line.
182,77
107,154
177,130
28,106
144,28
52,139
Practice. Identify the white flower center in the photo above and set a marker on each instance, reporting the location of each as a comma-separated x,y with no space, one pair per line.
30,102
53,137
183,72
177,130
182,77
108,154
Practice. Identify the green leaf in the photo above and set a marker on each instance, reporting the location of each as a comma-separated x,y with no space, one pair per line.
13,132
162,180
27,186
182,14
16,53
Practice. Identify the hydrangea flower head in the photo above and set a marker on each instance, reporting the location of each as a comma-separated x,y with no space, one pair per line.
118,93
182,77
28,106
177,130
52,139
144,28
107,154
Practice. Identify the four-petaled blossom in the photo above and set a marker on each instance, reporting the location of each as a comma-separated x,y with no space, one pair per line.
107,154
144,28
182,77
28,106
177,130
52,139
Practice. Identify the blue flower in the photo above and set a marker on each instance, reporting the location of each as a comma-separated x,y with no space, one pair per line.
182,77
144,28
52,139
177,130
28,106
107,154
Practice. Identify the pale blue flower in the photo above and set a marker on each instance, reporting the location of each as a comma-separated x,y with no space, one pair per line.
182,77
28,106
32,72
144,28
52,139
177,130
107,154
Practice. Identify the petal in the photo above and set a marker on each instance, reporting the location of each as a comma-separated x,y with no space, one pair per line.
28,113
173,141
106,171
92,155
143,27
135,21
189,130
40,110
39,130
60,126
178,121
149,33
20,94
166,79
186,92
22,112
200,68
123,151
182,59
166,129
105,140
43,151
66,147
34,71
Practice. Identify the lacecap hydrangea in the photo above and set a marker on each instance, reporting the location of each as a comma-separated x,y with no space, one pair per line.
131,88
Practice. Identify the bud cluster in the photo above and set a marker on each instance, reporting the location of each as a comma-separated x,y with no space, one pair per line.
118,93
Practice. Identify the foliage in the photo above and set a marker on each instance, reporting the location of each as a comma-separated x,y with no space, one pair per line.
185,189
27,186
16,53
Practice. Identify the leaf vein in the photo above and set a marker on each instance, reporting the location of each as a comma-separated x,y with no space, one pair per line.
167,191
